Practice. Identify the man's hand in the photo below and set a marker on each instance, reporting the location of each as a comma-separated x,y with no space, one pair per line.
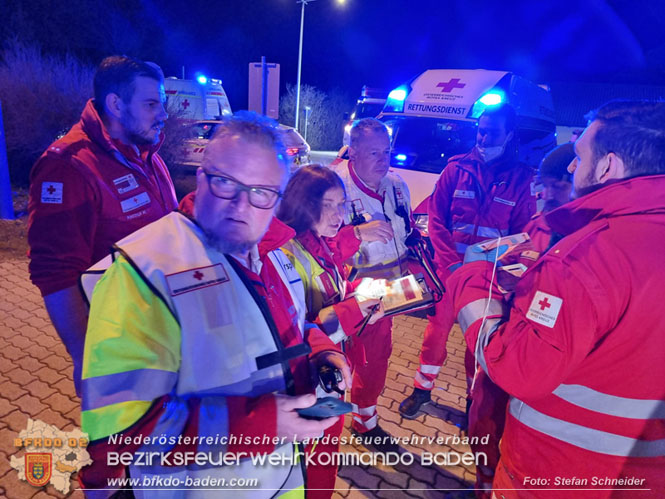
335,360
69,314
367,306
291,425
376,230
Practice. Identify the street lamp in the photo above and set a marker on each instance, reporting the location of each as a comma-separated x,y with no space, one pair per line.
302,26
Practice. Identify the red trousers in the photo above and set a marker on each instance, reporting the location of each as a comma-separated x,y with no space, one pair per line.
321,478
487,418
369,354
433,351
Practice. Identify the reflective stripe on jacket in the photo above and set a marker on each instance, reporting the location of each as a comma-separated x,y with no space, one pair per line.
206,338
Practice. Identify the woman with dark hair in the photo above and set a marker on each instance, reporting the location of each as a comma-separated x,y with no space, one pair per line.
313,205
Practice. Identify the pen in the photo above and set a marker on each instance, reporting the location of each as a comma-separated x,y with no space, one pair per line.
365,321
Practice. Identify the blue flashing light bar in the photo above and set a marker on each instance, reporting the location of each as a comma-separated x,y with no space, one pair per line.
488,99
491,99
400,157
396,98
202,79
399,94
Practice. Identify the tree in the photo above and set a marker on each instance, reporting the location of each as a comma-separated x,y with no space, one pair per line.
42,97
326,118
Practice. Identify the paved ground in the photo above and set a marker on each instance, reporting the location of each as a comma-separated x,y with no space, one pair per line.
35,382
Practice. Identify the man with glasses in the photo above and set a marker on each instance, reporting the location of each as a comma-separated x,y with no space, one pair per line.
197,332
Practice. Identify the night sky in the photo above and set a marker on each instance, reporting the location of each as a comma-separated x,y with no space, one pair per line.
380,43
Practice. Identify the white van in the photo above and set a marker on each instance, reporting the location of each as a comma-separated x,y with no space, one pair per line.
434,116
192,100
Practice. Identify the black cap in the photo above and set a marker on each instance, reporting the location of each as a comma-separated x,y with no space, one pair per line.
555,163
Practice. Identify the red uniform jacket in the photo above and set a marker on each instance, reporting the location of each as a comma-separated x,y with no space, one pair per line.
473,202
581,353
88,191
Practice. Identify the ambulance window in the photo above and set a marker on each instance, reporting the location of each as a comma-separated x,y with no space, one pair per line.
428,143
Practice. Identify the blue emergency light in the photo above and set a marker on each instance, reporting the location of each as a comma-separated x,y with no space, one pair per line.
202,79
400,157
489,99
395,101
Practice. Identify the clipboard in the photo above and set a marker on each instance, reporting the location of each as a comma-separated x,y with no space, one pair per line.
402,295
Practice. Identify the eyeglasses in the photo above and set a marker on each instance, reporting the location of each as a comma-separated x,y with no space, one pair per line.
227,188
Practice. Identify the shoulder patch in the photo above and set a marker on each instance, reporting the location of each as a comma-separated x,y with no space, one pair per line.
544,309
52,192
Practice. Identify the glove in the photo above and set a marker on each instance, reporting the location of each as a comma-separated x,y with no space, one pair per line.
475,253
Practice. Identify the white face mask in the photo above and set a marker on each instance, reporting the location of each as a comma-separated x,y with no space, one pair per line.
491,153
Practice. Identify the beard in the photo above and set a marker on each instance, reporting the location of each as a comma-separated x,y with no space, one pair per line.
227,246
588,186
137,135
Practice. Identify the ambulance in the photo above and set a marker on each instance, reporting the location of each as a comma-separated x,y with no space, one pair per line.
196,100
434,116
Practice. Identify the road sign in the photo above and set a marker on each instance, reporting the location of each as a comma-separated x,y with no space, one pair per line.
264,88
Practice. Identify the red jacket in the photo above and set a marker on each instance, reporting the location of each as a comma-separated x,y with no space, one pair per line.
473,202
581,353
88,191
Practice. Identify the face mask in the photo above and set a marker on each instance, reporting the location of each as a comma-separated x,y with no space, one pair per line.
491,153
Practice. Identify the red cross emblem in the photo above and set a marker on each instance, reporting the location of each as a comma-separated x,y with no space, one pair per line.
50,189
185,104
544,304
449,86
198,275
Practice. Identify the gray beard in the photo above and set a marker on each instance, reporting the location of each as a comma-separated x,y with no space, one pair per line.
225,246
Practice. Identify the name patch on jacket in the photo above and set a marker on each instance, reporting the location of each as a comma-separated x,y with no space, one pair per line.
544,309
125,184
193,279
289,269
504,201
52,192
459,193
135,202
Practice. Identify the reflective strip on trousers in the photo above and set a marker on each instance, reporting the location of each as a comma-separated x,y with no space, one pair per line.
427,384
363,411
477,309
589,439
368,424
611,405
429,369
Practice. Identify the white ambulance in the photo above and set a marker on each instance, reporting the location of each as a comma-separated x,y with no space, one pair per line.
194,100
434,117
